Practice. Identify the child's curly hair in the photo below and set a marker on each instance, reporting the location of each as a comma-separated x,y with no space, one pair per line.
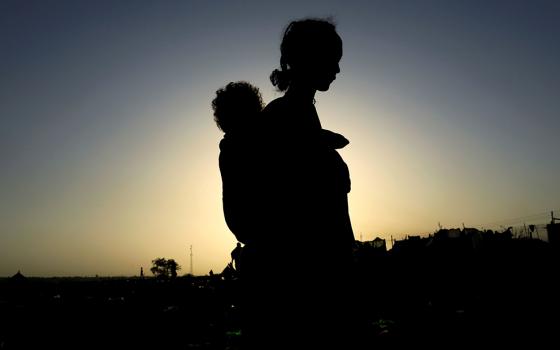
235,103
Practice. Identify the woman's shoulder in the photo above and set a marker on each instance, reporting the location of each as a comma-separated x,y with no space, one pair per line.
273,116
276,106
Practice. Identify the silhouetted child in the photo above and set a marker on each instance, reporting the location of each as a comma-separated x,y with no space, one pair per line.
237,108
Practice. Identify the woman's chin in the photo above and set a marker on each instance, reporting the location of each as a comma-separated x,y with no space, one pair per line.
324,87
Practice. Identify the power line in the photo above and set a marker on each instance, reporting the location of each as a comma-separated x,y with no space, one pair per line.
543,216
520,219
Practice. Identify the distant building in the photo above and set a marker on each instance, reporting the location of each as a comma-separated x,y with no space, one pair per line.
379,243
369,252
553,231
413,245
18,277
376,244
448,233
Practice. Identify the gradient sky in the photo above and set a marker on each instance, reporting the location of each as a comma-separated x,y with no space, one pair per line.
109,154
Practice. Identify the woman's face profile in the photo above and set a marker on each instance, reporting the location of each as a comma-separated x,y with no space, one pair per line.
324,71
319,69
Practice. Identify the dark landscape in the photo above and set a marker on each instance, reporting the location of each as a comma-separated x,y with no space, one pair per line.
460,287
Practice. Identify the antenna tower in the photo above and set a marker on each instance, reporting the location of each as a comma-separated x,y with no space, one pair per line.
191,262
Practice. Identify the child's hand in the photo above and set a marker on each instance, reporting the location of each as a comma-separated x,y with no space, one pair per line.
333,139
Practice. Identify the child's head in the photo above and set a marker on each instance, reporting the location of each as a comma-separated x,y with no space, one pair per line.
235,105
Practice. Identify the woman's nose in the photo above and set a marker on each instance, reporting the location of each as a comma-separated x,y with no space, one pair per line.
334,67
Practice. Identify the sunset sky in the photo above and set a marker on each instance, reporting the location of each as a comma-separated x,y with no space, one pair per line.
109,154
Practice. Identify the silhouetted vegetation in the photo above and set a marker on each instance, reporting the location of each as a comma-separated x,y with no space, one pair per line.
164,268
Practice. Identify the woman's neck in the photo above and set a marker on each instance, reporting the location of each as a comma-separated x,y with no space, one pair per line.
304,97
301,93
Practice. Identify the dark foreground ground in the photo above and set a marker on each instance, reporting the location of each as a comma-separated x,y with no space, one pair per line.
497,296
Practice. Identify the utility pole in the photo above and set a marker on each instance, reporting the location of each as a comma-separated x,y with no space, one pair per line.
191,263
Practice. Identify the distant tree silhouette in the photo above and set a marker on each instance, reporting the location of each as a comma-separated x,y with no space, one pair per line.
164,268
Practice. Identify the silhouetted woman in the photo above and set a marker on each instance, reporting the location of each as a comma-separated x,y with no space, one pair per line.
296,263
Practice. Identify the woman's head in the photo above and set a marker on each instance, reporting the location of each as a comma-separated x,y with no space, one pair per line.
235,105
310,52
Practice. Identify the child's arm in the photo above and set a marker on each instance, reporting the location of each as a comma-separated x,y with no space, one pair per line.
333,139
